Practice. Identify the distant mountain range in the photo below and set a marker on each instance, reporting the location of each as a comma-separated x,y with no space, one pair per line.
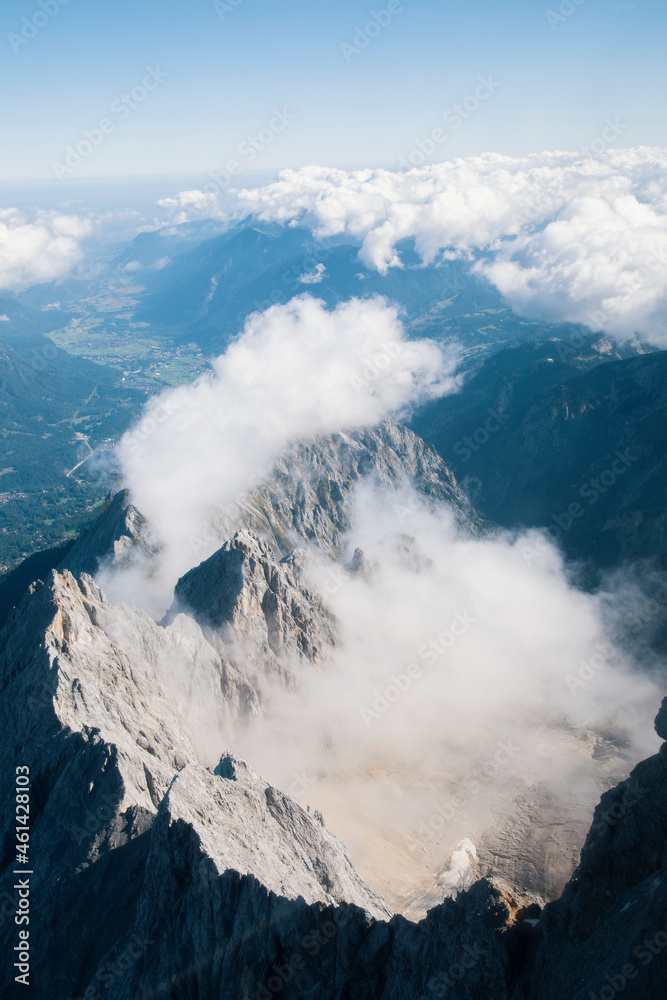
205,294
541,417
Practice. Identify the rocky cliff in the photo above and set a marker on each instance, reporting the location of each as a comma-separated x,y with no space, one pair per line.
243,592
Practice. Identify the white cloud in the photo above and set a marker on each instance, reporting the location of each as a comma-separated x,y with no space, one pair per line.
313,277
42,249
570,237
599,263
188,206
297,370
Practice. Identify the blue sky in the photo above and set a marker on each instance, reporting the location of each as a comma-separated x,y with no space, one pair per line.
555,85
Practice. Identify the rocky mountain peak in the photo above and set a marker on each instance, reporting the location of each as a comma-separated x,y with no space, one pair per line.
243,587
117,536
310,493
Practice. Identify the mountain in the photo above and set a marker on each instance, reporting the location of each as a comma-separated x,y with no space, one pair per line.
161,867
243,589
571,440
155,249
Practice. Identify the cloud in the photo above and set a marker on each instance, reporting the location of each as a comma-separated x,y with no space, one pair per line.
314,277
599,263
297,370
43,249
189,206
565,236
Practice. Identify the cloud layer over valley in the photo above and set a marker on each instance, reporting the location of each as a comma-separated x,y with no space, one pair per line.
564,236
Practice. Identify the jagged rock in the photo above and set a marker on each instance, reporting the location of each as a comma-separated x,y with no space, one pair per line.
212,928
158,876
103,685
310,493
661,721
116,537
360,566
244,588
246,826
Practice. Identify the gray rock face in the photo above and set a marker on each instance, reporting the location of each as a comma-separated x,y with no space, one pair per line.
609,929
242,587
310,492
116,536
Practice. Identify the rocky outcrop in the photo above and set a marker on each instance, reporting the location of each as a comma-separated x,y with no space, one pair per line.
162,869
159,875
116,537
243,589
107,709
